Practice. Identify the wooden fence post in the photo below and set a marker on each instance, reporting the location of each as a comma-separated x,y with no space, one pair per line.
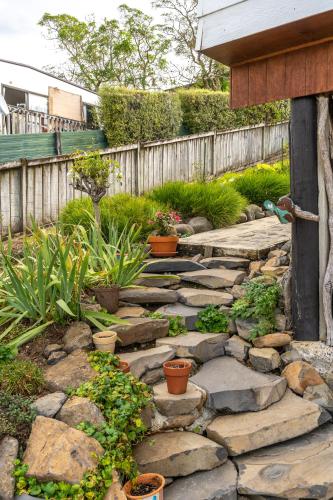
137,170
58,145
24,190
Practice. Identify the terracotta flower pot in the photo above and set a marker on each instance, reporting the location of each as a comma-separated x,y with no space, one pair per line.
177,373
105,341
154,479
108,297
163,246
124,367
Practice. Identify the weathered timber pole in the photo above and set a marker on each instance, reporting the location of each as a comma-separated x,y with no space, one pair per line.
305,234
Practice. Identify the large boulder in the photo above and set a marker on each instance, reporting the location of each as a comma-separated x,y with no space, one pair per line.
217,484
200,346
72,371
200,224
214,278
49,405
301,468
290,417
175,454
141,330
172,266
78,336
178,404
57,452
148,295
77,410
144,361
301,375
233,387
8,453
195,297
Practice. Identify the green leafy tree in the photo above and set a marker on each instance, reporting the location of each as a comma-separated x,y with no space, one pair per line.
180,26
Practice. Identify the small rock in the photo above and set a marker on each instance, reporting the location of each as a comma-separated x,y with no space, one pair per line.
200,346
141,330
72,371
321,395
131,312
214,278
175,454
162,423
182,404
272,340
115,492
188,314
172,266
277,253
264,360
274,272
49,405
225,262
286,247
77,336
77,410
55,357
195,297
242,218
57,452
148,295
91,306
238,291
145,361
217,484
150,280
290,356
256,266
245,327
252,211
151,377
8,453
301,375
200,224
51,348
184,229
280,322
237,348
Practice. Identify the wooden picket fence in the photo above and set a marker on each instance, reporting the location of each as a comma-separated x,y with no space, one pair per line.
40,188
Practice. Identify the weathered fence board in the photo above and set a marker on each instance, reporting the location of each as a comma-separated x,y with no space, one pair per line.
40,188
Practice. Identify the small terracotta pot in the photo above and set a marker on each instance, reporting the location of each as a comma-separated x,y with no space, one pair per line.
124,367
105,341
108,297
163,246
177,373
143,479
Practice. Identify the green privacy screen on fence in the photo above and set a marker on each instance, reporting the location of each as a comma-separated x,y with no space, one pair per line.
16,146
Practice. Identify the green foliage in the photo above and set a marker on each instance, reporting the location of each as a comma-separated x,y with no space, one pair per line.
259,303
21,377
121,398
122,209
176,324
130,116
221,204
16,415
263,182
207,110
212,320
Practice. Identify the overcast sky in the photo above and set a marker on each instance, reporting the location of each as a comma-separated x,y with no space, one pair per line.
21,40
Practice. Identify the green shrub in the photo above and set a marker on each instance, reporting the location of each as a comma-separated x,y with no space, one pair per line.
21,377
212,320
221,204
122,209
16,415
206,110
129,116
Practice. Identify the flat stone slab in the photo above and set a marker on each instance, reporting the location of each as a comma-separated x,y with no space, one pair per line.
195,297
233,387
217,484
301,468
214,278
9,447
252,240
72,371
131,312
226,262
176,265
178,404
150,359
159,281
175,454
290,417
148,295
200,346
141,330
189,314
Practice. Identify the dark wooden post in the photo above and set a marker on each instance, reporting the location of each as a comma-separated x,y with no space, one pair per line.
305,238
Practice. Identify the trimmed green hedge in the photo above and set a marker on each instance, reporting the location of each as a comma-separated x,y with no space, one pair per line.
129,116
207,110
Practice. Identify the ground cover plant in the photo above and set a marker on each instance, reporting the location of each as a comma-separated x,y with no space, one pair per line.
212,320
176,324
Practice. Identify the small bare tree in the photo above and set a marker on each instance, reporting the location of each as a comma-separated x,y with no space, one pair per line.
91,174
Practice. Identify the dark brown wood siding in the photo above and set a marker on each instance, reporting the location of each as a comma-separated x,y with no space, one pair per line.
302,72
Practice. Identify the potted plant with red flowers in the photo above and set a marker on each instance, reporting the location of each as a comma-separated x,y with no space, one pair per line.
164,240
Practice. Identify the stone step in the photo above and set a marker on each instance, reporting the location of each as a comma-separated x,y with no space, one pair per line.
175,454
226,262
290,417
189,314
148,295
214,278
217,484
174,265
178,404
195,297
200,346
300,468
158,281
131,312
233,387
141,362
141,330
